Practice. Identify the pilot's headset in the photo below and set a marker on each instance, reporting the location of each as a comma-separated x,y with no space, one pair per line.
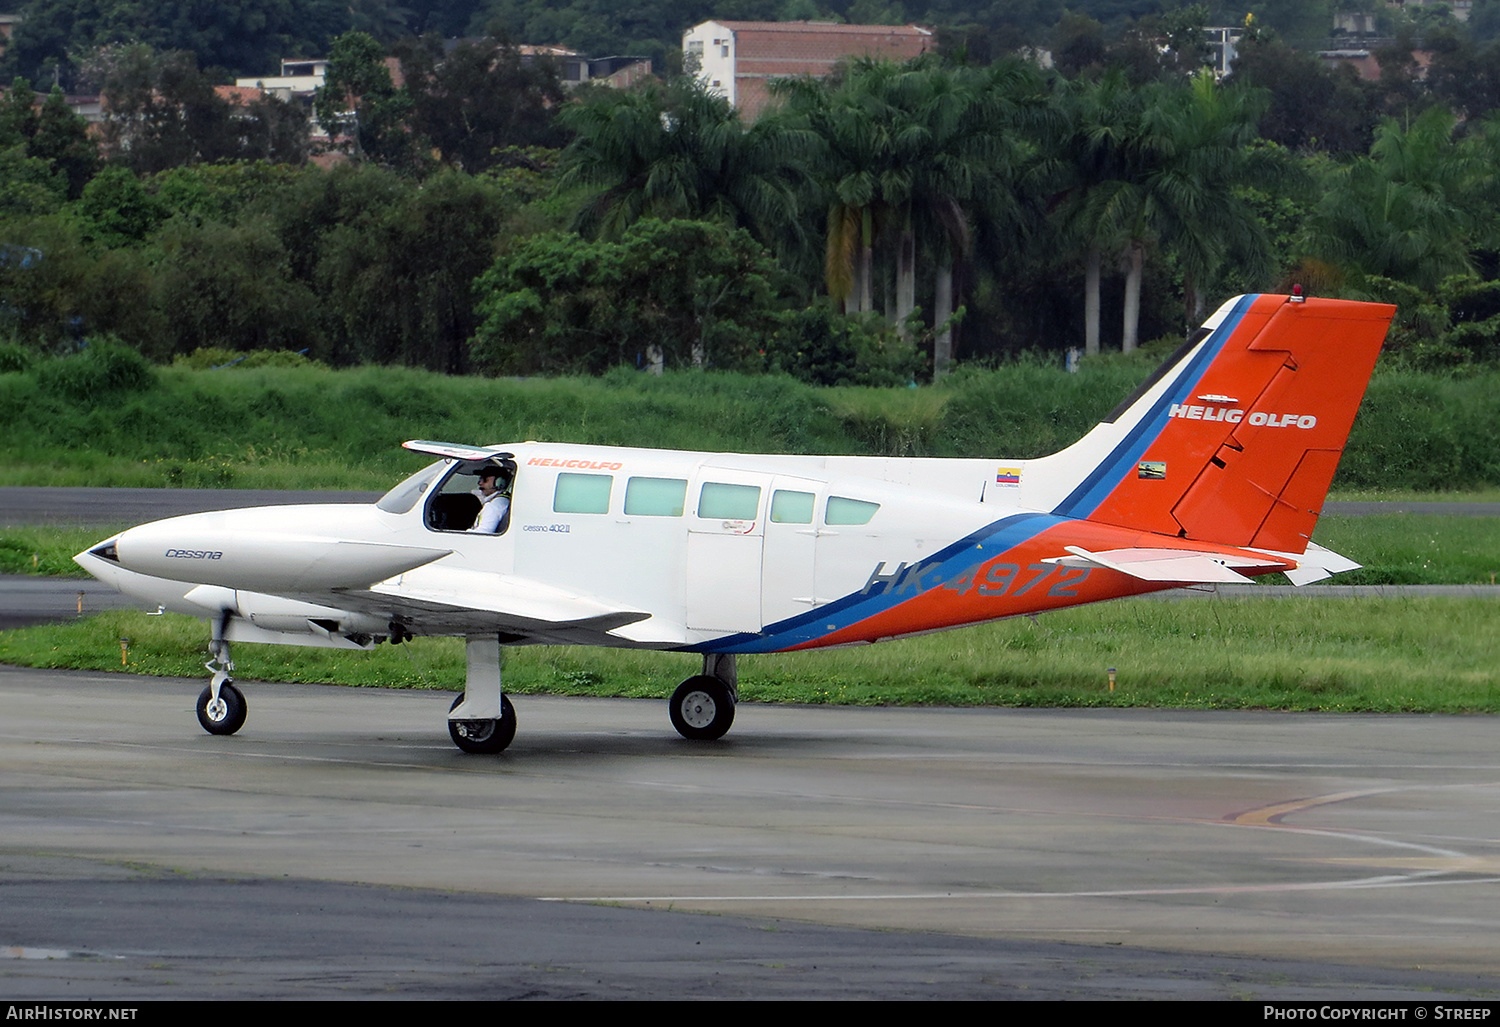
504,465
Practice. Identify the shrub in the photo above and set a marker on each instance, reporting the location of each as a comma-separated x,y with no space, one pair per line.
14,357
104,367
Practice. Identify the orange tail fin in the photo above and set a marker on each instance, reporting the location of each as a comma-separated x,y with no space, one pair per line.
1236,439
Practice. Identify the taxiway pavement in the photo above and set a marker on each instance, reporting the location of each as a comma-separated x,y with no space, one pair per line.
339,845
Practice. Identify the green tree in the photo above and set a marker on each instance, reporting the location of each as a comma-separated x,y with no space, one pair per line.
859,181
29,186
397,271
53,134
480,97
62,140
116,209
162,110
1312,106
1079,48
382,20
913,158
230,286
361,108
1160,166
696,292
75,288
18,117
247,37
1467,78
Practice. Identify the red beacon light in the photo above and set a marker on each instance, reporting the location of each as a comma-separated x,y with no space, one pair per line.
1297,296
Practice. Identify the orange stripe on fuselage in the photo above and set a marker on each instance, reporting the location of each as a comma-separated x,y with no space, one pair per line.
1016,582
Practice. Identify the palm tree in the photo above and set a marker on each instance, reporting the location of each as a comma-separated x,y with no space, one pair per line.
1091,157
1415,209
912,155
860,180
1158,165
976,148
681,152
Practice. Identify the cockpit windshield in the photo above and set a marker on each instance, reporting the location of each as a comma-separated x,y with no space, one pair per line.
405,495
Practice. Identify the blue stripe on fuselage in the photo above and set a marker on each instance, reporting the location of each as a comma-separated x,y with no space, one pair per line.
1102,480
947,564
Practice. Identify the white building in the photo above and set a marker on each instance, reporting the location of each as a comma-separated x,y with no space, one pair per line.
300,78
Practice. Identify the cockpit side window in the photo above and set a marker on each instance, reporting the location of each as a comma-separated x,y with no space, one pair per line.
464,503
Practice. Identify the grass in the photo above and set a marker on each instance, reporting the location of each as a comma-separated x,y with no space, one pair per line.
1414,549
1372,655
312,427
1372,495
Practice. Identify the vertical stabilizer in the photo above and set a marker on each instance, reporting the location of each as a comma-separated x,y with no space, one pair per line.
1235,440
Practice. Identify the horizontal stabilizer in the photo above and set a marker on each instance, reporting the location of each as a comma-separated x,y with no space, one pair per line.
1316,564
1184,565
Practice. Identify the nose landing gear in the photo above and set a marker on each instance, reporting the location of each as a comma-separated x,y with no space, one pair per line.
221,707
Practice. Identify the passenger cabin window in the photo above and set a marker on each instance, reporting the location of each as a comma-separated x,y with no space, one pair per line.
789,507
719,501
849,511
655,497
582,493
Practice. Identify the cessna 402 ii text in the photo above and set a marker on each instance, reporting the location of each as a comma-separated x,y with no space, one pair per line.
1213,471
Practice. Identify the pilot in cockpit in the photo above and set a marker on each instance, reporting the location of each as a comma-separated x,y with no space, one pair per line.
493,494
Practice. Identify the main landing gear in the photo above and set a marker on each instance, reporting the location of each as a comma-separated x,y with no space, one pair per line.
221,706
482,720
703,706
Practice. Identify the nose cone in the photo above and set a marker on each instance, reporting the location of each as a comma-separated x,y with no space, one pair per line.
102,561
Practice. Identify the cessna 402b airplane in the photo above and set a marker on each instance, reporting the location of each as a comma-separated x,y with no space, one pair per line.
1213,471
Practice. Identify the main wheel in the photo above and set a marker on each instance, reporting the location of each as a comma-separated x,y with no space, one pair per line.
702,708
223,716
484,737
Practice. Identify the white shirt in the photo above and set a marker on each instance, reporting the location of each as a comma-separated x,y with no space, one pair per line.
491,513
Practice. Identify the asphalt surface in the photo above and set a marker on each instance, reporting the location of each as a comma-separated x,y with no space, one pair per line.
112,507
339,846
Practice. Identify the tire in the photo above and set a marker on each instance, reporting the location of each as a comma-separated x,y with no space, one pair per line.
484,737
225,717
702,708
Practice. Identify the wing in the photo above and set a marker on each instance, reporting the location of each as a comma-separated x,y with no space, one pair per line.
453,601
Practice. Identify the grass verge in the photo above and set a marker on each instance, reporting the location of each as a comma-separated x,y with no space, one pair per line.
1428,655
